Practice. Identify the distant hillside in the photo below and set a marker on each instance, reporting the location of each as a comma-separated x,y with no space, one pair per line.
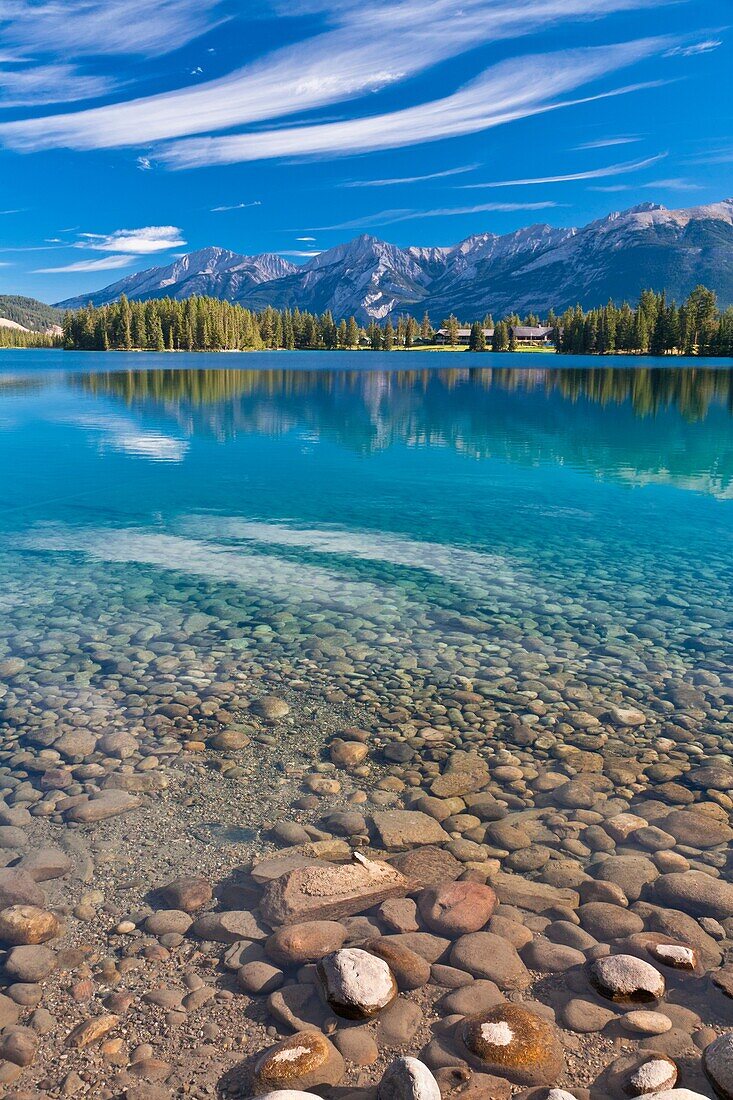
29,313
532,269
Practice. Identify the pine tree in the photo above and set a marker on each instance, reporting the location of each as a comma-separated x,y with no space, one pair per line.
477,339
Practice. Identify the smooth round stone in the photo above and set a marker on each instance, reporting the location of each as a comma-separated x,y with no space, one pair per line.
641,1022
672,1094
356,983
306,1059
608,922
29,964
488,956
357,1046
270,708
306,942
166,921
511,1041
27,924
188,893
289,1094
717,1060
626,979
408,1079
411,971
456,908
656,1074
585,1017
259,977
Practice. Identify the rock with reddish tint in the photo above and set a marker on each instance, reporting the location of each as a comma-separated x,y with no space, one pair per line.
356,984
309,941
456,908
329,891
90,1030
188,893
28,924
304,1060
411,971
19,1045
512,1041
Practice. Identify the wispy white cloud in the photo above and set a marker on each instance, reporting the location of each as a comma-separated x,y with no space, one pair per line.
606,143
570,177
53,83
235,206
674,184
306,239
411,179
513,89
300,252
137,242
85,28
696,48
145,164
106,263
370,46
391,217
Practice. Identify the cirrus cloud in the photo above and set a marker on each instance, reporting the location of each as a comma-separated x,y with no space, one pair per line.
106,263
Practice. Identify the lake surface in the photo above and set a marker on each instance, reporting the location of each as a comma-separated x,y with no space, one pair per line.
172,529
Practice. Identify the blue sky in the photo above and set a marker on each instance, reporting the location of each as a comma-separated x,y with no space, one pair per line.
131,132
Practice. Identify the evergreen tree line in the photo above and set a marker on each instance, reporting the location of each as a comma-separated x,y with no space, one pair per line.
653,327
16,338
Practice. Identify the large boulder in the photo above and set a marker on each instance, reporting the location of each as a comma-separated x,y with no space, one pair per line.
329,891
512,1041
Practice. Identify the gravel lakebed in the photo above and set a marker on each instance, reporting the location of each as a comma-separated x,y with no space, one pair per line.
296,882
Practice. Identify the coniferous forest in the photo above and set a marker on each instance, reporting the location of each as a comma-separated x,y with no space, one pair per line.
653,327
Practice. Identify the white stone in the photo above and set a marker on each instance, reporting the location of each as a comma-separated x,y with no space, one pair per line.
288,1094
654,1075
408,1079
356,979
625,975
677,955
672,1094
500,1034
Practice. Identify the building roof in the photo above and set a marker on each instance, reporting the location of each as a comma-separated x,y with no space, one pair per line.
530,332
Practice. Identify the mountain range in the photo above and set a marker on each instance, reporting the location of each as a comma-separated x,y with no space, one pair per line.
532,269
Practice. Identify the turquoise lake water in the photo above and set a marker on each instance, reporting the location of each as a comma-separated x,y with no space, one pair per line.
169,523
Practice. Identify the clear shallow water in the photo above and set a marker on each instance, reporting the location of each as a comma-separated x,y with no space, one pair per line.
174,530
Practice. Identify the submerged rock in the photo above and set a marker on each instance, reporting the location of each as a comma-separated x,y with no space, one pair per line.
514,1042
